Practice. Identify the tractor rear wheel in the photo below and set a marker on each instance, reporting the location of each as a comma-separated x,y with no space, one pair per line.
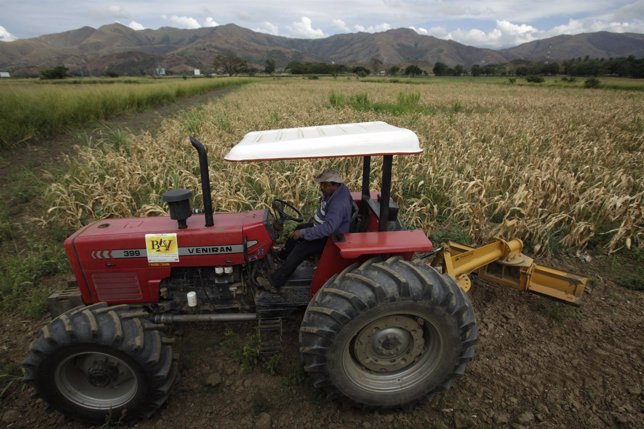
386,334
101,364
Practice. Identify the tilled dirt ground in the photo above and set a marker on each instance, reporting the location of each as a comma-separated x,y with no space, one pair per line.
538,363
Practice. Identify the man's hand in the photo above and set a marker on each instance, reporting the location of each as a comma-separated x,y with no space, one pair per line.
297,234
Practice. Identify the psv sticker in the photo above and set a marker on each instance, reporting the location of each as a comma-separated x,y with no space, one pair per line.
162,248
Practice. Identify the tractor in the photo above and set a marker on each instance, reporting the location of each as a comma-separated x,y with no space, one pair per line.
386,318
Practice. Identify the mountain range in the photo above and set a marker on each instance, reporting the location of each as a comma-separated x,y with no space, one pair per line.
119,48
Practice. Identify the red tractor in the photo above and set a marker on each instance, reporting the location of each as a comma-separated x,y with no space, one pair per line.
380,329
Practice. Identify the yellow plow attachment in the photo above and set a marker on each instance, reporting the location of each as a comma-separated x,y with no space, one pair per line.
501,262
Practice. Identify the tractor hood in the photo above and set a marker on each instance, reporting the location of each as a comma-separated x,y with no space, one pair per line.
124,260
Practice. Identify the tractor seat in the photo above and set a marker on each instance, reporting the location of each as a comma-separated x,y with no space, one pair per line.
354,224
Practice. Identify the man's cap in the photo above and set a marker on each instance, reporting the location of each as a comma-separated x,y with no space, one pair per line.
329,176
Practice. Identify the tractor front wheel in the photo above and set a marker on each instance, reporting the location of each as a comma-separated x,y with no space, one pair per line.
387,334
101,364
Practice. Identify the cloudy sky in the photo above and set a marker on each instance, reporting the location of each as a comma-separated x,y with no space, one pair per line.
493,24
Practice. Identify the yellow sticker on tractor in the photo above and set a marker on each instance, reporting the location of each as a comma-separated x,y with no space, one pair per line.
162,248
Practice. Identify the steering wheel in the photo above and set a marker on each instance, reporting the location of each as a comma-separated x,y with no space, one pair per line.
282,208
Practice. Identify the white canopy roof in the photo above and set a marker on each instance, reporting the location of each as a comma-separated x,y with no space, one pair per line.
325,141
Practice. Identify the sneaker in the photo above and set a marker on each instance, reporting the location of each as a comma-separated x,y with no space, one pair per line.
266,284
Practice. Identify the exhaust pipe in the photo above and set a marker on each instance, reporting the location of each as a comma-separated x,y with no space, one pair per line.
205,180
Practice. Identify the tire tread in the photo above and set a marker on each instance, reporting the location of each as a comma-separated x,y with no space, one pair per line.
360,288
119,328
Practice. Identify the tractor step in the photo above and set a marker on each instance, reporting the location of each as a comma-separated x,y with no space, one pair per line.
269,331
271,308
288,296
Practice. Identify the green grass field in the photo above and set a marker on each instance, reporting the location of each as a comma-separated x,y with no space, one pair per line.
34,109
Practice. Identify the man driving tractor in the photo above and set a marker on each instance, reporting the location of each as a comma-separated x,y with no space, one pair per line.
308,239
381,329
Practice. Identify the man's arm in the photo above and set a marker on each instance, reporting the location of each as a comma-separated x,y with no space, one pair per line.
332,222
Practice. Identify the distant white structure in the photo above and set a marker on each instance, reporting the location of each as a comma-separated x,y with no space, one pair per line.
197,72
4,74
160,71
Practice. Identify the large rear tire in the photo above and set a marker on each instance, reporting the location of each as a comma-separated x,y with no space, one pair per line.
386,334
101,364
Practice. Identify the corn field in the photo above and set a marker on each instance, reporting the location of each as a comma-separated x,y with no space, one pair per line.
560,168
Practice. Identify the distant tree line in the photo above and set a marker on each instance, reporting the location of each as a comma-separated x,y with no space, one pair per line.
441,69
624,67
298,67
230,64
621,67
58,72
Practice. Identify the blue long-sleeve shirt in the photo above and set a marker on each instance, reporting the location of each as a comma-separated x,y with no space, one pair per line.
335,216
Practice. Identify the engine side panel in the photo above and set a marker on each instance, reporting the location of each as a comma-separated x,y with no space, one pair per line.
125,260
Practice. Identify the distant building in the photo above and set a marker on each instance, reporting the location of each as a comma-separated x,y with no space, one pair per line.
197,72
160,71
4,74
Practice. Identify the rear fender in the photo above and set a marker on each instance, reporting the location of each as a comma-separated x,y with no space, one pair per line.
345,249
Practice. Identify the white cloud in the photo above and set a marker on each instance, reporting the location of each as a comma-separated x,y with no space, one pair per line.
111,12
378,28
439,32
304,29
268,28
117,11
210,22
521,30
511,10
507,34
5,36
575,26
136,26
183,21
341,25
628,12
504,34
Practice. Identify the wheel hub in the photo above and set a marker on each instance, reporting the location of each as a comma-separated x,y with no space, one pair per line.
389,344
390,341
96,380
102,374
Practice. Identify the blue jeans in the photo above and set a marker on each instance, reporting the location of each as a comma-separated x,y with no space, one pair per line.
293,253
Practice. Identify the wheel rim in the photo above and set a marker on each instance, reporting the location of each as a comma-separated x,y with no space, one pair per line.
393,352
96,380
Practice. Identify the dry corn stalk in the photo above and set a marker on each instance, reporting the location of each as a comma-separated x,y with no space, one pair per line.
542,165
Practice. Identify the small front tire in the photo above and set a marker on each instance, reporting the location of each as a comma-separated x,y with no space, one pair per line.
101,364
